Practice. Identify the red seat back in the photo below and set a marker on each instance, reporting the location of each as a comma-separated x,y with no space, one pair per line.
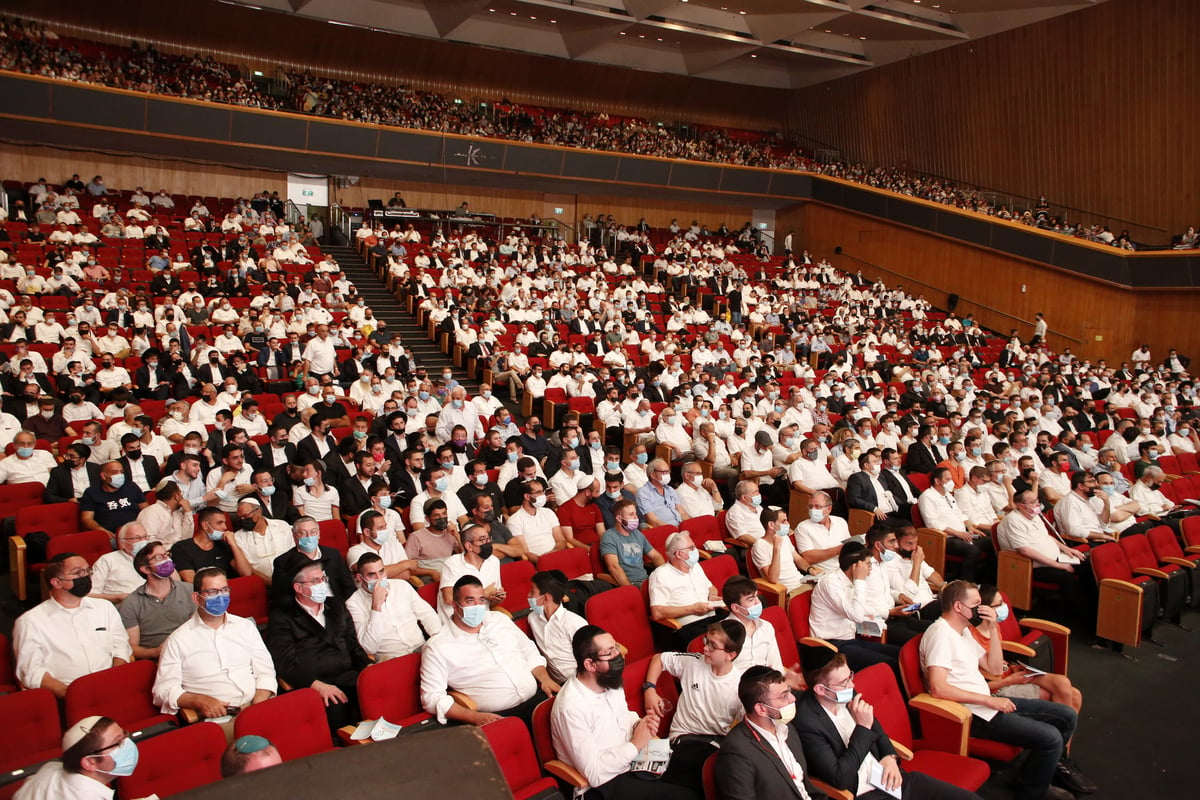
31,731
658,535
513,747
622,613
294,722
701,529
1138,553
516,577
1108,561
719,569
797,612
1163,542
392,689
53,518
573,562
910,667
1191,531
176,761
89,544
333,534
878,686
789,654
248,598
122,693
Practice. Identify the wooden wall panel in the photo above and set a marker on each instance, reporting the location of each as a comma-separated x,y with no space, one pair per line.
989,285
235,35
1093,109
27,163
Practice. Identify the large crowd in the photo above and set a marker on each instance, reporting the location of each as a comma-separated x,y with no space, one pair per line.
33,49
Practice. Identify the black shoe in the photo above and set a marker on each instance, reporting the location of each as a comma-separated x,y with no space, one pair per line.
1068,775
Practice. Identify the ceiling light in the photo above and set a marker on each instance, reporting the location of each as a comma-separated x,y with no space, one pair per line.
754,55
863,38
553,22
743,13
622,33
660,38
533,17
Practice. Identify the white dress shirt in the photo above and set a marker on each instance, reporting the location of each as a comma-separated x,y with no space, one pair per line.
940,511
742,520
494,666
591,731
35,469
763,552
812,474
553,638
839,606
262,549
670,586
815,536
392,631
761,648
68,642
977,506
899,574
52,782
229,663
456,566
113,573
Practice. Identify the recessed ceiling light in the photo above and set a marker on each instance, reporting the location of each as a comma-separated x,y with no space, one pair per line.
622,33
660,38
553,22
863,38
743,13
533,17
754,55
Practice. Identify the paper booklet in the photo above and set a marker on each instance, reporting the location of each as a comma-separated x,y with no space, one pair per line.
653,758
377,730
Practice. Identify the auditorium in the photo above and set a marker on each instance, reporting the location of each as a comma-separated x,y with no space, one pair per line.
598,399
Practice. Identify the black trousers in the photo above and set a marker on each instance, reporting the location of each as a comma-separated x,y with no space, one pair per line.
919,786
972,554
628,786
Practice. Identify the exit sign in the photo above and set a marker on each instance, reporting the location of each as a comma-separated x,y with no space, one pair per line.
306,192
558,210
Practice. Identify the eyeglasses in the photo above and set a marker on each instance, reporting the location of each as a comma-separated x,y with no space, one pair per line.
314,581
124,735
842,684
215,592
708,645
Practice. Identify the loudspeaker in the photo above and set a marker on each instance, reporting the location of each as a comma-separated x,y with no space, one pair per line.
451,762
952,302
837,251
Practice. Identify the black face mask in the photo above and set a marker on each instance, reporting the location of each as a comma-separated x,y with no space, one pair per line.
906,554
485,551
439,524
611,679
134,455
81,587
245,523
976,618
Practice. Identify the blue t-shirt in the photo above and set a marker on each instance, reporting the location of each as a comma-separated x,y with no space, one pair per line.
630,551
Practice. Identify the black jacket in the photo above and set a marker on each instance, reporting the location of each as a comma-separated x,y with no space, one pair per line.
922,459
305,651
748,768
149,466
829,760
59,488
286,564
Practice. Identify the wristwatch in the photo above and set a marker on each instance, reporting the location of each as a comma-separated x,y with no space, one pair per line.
649,685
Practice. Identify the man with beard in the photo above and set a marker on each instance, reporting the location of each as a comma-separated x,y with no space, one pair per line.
595,732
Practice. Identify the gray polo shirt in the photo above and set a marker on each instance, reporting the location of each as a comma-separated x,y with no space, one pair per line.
157,619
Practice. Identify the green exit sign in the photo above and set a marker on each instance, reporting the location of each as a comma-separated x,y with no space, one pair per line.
306,192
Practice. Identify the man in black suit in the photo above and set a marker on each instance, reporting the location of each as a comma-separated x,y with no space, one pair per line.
318,443
831,706
904,491
324,655
139,469
278,451
212,372
923,455
353,490
306,533
63,486
865,490
758,758
150,380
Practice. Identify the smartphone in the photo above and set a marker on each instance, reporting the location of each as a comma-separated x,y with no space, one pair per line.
913,607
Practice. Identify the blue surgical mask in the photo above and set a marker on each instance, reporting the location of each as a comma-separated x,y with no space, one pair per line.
423,395
125,758
693,558
888,555
138,547
784,529
118,480
1109,488
310,481
267,491
512,457
481,479
756,501
371,585
216,606
534,606
642,458
319,592
385,501
441,484
816,514
843,696
943,440
473,616
1002,612
456,403
754,611
216,535
24,452
309,544
614,495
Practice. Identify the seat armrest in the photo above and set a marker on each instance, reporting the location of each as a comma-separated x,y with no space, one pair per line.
946,725
775,590
902,751
1150,571
1018,649
189,716
463,700
1179,562
565,772
673,624
20,567
1045,626
840,794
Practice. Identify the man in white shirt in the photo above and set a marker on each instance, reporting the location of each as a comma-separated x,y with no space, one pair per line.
911,580
553,625
389,616
475,559
27,464
809,473
484,655
536,525
70,634
215,663
941,512
841,608
698,496
681,595
743,518
320,356
774,554
1024,531
1149,499
593,729
113,575
261,538
975,502
819,538
953,663
95,752
1076,517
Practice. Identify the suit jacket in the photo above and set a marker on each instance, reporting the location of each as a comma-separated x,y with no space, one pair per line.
60,489
860,493
268,459
748,768
305,651
307,448
891,481
831,761
284,568
353,496
149,465
922,459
